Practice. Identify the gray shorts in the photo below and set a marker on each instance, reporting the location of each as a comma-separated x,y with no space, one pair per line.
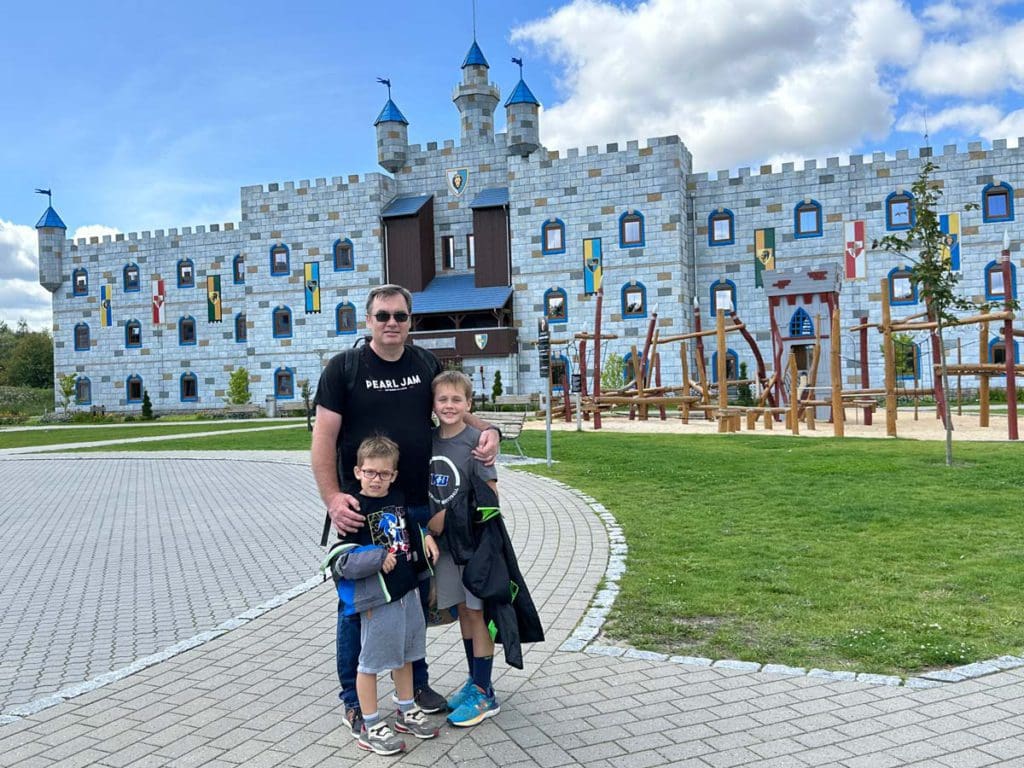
448,584
392,635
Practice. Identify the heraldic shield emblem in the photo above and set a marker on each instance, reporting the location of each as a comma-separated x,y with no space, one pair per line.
481,340
458,179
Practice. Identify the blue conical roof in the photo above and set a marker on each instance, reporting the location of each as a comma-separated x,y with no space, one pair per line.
50,219
391,114
475,57
522,95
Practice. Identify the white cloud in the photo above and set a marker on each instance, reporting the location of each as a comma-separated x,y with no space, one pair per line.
94,230
738,81
21,296
973,119
942,16
987,63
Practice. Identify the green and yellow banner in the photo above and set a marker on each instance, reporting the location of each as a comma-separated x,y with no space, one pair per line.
764,254
214,311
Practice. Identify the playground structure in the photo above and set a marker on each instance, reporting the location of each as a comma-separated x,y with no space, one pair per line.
805,330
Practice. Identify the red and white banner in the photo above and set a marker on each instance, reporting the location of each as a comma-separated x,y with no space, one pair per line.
855,259
158,302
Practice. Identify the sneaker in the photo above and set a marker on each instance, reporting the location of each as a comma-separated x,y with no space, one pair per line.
456,699
354,718
430,701
380,739
415,722
477,707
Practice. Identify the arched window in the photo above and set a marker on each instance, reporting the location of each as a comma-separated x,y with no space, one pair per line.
189,387
133,334
344,260
899,211
800,324
132,282
238,269
732,365
559,373
552,237
80,282
631,230
241,329
83,391
284,383
133,390
556,308
344,318
186,274
282,322
902,290
186,331
994,288
721,227
82,337
634,300
907,358
807,219
723,296
997,202
997,352
280,259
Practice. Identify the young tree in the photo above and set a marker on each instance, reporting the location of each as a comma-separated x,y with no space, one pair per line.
238,387
613,369
307,397
31,361
67,384
147,406
496,389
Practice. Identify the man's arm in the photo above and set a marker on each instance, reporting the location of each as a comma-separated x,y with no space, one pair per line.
343,508
486,450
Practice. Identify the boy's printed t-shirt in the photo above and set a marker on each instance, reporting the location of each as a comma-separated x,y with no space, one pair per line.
452,470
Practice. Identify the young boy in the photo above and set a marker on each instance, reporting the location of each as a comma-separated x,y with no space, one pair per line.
375,570
453,470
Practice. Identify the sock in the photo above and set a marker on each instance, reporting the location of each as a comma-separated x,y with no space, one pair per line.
468,645
405,706
371,720
482,666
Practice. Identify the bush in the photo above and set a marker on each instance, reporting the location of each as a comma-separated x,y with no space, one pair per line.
238,387
26,401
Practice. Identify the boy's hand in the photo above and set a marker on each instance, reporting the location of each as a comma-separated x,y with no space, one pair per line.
486,450
430,547
389,563
436,523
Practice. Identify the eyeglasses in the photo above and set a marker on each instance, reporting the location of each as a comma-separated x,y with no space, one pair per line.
382,317
373,474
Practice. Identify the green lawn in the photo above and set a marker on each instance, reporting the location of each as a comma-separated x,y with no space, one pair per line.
58,435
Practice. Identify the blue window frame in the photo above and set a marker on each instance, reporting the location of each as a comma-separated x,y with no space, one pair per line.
345,318
997,351
186,331
281,322
721,227
908,360
241,329
631,230
83,391
902,290
280,259
186,273
82,337
997,202
899,211
344,255
556,305
133,390
634,300
559,370
133,334
994,289
189,387
732,365
284,383
723,292
807,219
238,269
80,282
800,324
131,278
552,237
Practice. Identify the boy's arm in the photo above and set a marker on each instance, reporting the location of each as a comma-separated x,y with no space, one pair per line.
490,437
360,562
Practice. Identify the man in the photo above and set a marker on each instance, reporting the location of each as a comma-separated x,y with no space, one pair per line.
389,394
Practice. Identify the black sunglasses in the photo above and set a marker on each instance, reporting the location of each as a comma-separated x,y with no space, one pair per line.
382,317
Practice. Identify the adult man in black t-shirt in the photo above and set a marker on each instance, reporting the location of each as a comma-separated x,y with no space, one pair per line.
392,397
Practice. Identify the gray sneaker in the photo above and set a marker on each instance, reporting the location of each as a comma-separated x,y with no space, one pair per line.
354,719
380,739
415,722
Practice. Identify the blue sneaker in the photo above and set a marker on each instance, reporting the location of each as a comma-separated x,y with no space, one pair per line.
477,707
456,699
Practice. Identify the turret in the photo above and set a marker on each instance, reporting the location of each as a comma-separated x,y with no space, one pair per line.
52,234
392,134
476,99
522,115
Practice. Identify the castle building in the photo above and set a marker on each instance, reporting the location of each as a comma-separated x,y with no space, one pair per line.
491,234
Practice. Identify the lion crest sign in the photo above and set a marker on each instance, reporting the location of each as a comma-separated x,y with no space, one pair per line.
458,179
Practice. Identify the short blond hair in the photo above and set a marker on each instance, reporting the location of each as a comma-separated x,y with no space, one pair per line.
377,447
456,379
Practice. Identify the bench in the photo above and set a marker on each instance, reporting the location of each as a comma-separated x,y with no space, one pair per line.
529,401
509,422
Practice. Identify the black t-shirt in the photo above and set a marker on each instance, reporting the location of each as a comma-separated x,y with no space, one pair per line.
391,399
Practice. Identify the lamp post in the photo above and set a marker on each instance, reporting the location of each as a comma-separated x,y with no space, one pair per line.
1008,339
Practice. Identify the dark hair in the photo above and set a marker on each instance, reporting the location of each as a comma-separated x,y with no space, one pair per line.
386,292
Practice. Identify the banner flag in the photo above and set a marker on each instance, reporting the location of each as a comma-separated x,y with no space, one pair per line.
214,310
593,265
312,286
764,254
950,225
158,302
855,258
106,292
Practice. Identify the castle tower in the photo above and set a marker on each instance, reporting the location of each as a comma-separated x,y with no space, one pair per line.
522,115
392,136
51,233
476,99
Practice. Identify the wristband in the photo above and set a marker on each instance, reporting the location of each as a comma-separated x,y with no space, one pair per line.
500,436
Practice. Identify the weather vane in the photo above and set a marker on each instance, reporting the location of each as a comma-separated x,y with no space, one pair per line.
387,82
49,196
520,63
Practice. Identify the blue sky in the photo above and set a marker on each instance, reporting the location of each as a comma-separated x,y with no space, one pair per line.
148,115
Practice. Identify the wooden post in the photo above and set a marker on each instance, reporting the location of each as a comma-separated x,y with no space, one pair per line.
812,375
865,374
838,415
723,359
890,363
684,407
597,357
638,379
794,399
583,378
1008,342
983,382
959,379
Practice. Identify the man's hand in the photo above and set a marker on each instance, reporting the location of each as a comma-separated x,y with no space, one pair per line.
436,523
389,563
344,512
430,548
486,450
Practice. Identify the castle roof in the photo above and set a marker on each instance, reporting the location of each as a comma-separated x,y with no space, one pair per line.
458,293
390,114
475,57
491,197
522,95
404,206
50,219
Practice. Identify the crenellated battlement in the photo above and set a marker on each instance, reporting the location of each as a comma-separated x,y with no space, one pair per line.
159,234
337,184
631,149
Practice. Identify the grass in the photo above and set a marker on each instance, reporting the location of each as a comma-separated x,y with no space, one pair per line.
70,434
297,439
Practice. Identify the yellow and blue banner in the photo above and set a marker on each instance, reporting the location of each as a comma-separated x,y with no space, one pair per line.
950,225
312,287
593,265
106,308
214,311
